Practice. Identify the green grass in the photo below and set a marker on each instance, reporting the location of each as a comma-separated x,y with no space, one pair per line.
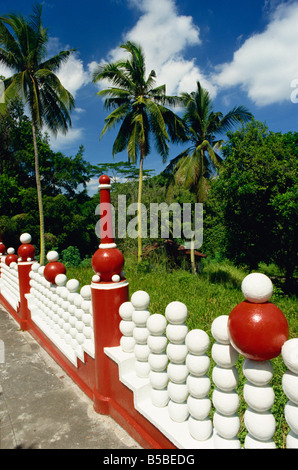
215,291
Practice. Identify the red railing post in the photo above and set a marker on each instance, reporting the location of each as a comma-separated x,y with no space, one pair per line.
26,253
109,289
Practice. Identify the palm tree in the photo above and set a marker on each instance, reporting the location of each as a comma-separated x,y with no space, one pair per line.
140,108
199,162
23,48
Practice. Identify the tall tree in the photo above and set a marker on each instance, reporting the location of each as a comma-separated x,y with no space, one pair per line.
140,108
199,162
23,49
195,165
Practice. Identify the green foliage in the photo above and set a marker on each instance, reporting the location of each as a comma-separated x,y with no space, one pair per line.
71,256
254,199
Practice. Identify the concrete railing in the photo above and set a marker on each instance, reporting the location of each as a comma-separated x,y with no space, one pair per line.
167,386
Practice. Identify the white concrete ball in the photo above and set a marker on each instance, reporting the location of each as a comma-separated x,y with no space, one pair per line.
197,342
259,373
52,256
219,329
292,440
290,386
176,333
73,285
25,238
177,373
224,355
140,300
226,426
141,352
257,288
178,392
157,344
10,251
225,379
176,312
199,408
140,317
86,292
140,334
159,398
35,267
126,310
116,278
95,278
291,416
251,443
176,352
200,430
289,354
197,365
158,380
198,387
158,362
260,425
126,327
226,403
178,412
127,343
60,279
157,324
260,399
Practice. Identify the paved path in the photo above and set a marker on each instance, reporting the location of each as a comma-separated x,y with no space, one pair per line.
40,406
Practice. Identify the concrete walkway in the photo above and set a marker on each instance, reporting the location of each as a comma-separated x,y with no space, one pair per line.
40,406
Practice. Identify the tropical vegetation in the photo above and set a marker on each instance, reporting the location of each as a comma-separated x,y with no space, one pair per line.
23,49
140,108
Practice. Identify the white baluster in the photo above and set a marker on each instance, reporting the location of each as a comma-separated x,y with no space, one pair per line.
226,421
259,396
176,331
199,405
140,301
127,341
290,387
158,360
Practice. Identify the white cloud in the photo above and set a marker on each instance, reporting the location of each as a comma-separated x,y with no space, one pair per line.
72,74
164,36
61,141
266,63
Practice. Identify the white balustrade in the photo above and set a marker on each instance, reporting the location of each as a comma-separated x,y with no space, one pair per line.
63,313
9,281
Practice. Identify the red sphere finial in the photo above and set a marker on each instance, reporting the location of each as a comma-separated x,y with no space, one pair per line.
104,179
257,328
26,251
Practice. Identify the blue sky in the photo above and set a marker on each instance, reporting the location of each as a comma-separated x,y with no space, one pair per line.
242,52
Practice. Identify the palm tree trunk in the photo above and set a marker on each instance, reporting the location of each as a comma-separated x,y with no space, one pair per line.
39,197
140,208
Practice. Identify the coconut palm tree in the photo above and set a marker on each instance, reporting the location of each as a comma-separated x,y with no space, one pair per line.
198,163
195,165
140,108
23,49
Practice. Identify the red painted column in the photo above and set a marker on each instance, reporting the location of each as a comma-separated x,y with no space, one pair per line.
109,290
26,253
